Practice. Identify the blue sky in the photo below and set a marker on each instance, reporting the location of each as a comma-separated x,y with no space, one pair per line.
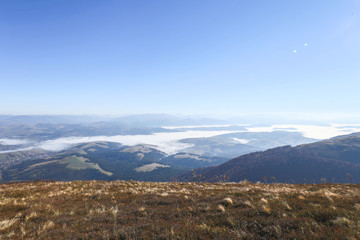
188,57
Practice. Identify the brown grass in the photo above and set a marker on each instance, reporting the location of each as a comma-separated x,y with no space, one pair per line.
144,210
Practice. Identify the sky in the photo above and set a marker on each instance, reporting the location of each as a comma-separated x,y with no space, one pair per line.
180,57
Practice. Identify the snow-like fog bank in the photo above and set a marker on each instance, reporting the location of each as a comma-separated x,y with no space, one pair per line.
10,142
169,142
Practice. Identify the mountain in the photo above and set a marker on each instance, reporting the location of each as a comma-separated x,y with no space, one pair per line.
49,131
189,161
47,127
234,144
333,160
99,161
160,120
34,119
96,160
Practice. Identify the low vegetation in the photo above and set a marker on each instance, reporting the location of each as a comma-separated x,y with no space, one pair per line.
148,210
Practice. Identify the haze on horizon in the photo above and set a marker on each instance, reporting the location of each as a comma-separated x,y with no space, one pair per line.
187,57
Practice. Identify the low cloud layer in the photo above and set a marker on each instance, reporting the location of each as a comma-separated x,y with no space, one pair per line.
311,131
11,142
169,142
18,150
242,141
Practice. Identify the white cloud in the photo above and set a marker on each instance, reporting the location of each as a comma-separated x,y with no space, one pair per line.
294,51
17,150
242,141
9,142
167,142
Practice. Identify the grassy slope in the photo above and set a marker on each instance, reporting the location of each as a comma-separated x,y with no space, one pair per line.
142,210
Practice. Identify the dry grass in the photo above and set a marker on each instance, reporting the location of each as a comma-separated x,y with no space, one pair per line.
144,210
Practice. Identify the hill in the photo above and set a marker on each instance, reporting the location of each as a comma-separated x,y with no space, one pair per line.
333,160
235,144
93,161
99,161
144,210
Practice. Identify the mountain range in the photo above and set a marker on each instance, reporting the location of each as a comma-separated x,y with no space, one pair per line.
100,161
165,148
111,161
333,160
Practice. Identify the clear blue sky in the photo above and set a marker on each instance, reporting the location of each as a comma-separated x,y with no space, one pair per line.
189,56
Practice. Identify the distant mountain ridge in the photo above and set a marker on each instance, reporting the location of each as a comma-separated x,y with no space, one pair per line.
333,160
160,120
